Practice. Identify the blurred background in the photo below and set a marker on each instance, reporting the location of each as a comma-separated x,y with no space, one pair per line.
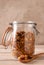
22,10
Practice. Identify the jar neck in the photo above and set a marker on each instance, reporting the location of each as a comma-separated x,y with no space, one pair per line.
24,25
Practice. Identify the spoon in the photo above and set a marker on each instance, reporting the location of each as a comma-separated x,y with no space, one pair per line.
26,59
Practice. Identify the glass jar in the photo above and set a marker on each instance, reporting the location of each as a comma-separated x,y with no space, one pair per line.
23,39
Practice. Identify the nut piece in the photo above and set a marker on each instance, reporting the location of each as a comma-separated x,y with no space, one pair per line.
23,57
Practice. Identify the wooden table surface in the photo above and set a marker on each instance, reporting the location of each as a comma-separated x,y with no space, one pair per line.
6,57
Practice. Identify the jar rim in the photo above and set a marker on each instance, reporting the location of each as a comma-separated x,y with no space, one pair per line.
28,22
